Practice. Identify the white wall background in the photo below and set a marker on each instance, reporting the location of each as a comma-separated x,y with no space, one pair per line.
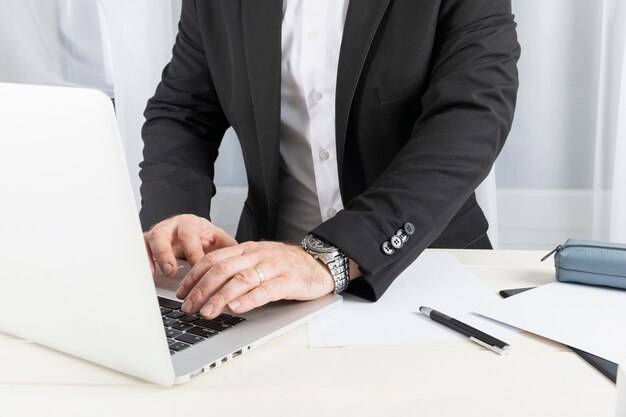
562,173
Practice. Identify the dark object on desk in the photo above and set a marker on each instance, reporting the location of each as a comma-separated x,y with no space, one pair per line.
590,262
474,334
608,368
508,293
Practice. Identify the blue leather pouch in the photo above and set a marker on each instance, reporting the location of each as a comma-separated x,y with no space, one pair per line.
591,262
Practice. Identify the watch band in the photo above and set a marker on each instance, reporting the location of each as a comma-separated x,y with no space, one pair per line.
337,262
340,270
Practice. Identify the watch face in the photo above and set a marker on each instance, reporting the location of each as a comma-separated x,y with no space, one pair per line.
318,245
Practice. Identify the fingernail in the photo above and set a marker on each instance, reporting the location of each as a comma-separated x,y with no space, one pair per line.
234,304
206,310
186,307
180,291
167,268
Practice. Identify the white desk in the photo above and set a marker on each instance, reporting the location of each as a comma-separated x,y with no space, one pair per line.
286,378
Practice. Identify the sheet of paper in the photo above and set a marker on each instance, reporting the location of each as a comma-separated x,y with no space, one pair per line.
437,280
589,318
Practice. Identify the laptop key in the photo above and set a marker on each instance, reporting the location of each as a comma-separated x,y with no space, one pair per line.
168,322
222,317
178,346
189,319
181,326
172,352
175,314
235,320
165,310
172,333
202,331
212,324
190,338
171,304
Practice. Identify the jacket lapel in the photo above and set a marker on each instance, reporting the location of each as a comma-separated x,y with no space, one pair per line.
362,21
262,22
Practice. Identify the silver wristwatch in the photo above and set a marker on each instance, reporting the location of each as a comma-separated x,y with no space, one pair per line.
334,259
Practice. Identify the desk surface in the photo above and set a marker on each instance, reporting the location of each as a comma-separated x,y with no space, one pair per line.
285,377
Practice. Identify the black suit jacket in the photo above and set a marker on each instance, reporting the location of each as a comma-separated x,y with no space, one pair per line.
426,91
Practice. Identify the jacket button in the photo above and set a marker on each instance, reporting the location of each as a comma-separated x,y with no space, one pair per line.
400,233
388,249
396,242
409,228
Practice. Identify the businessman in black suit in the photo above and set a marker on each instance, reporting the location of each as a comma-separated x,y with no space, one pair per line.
419,103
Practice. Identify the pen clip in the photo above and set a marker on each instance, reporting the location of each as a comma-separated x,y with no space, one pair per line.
496,349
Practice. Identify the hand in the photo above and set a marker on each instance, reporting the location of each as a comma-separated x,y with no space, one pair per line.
185,237
229,278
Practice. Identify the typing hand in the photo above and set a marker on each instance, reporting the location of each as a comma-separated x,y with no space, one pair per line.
184,237
250,275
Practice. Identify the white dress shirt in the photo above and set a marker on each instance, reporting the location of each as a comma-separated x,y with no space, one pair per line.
309,179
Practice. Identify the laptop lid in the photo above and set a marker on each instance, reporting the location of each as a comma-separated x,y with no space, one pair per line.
74,261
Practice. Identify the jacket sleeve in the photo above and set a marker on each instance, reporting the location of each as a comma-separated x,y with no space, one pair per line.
467,114
182,133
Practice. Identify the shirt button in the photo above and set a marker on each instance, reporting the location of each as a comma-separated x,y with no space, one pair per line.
331,212
324,155
317,96
313,34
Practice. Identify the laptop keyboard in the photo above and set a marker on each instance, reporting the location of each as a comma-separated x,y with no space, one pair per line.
183,330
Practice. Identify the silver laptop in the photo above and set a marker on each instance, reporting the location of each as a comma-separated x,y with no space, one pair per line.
75,274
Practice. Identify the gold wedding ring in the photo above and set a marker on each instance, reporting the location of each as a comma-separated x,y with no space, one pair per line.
260,274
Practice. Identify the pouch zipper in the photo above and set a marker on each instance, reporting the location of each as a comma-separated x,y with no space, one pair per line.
561,247
557,249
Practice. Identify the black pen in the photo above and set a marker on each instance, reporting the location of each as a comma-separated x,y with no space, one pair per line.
474,334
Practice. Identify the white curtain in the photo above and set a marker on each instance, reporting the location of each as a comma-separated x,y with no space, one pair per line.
58,42
609,215
561,173
140,36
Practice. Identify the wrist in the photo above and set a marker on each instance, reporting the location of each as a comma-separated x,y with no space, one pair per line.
326,276
355,272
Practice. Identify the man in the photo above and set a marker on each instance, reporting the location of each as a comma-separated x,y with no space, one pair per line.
365,126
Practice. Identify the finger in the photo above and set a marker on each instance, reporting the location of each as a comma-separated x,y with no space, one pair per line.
189,240
219,239
241,283
273,290
160,240
150,256
216,278
203,265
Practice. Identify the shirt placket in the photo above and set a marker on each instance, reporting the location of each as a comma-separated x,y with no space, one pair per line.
319,83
